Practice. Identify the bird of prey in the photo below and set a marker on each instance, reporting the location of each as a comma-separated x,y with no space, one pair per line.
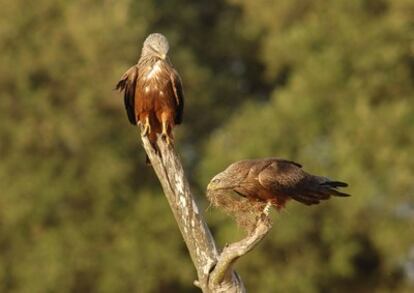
274,181
153,94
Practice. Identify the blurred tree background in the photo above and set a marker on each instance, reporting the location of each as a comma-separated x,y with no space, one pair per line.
326,83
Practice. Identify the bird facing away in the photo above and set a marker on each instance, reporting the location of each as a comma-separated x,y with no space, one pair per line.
274,181
153,94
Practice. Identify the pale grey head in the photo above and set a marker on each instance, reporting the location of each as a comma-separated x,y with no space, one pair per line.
156,45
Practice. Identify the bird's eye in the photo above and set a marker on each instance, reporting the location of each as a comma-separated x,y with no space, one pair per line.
216,180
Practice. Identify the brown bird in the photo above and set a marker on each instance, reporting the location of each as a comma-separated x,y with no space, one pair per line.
274,181
153,93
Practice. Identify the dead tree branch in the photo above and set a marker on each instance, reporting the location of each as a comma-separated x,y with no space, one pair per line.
235,250
215,272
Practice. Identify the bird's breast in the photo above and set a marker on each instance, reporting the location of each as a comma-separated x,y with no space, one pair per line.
154,71
153,90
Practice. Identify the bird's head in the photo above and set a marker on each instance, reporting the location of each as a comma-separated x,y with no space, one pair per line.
220,182
156,44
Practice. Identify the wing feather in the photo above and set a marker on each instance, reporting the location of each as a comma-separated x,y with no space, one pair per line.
179,96
282,177
127,83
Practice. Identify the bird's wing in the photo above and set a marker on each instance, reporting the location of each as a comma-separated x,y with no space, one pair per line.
287,178
127,83
283,177
179,96
288,161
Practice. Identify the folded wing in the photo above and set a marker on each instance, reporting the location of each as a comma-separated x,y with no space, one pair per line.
282,177
127,83
179,96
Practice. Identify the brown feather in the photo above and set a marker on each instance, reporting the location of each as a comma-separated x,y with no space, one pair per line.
127,83
276,180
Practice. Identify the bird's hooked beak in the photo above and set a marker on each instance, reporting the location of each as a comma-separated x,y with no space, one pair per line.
163,56
211,184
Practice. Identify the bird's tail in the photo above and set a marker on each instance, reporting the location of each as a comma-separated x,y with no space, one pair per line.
320,188
331,187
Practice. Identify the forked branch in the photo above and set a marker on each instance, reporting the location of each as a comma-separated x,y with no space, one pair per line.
234,251
215,272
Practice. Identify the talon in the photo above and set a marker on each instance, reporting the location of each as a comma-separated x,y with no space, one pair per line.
146,131
147,127
165,130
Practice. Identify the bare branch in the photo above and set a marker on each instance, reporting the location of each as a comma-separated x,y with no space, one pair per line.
194,230
234,251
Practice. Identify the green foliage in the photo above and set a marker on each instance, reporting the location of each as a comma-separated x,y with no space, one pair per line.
325,83
345,109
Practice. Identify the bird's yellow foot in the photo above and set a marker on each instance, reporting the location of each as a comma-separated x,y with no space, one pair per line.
147,128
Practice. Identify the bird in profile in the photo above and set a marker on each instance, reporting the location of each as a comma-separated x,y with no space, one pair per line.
274,181
153,93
